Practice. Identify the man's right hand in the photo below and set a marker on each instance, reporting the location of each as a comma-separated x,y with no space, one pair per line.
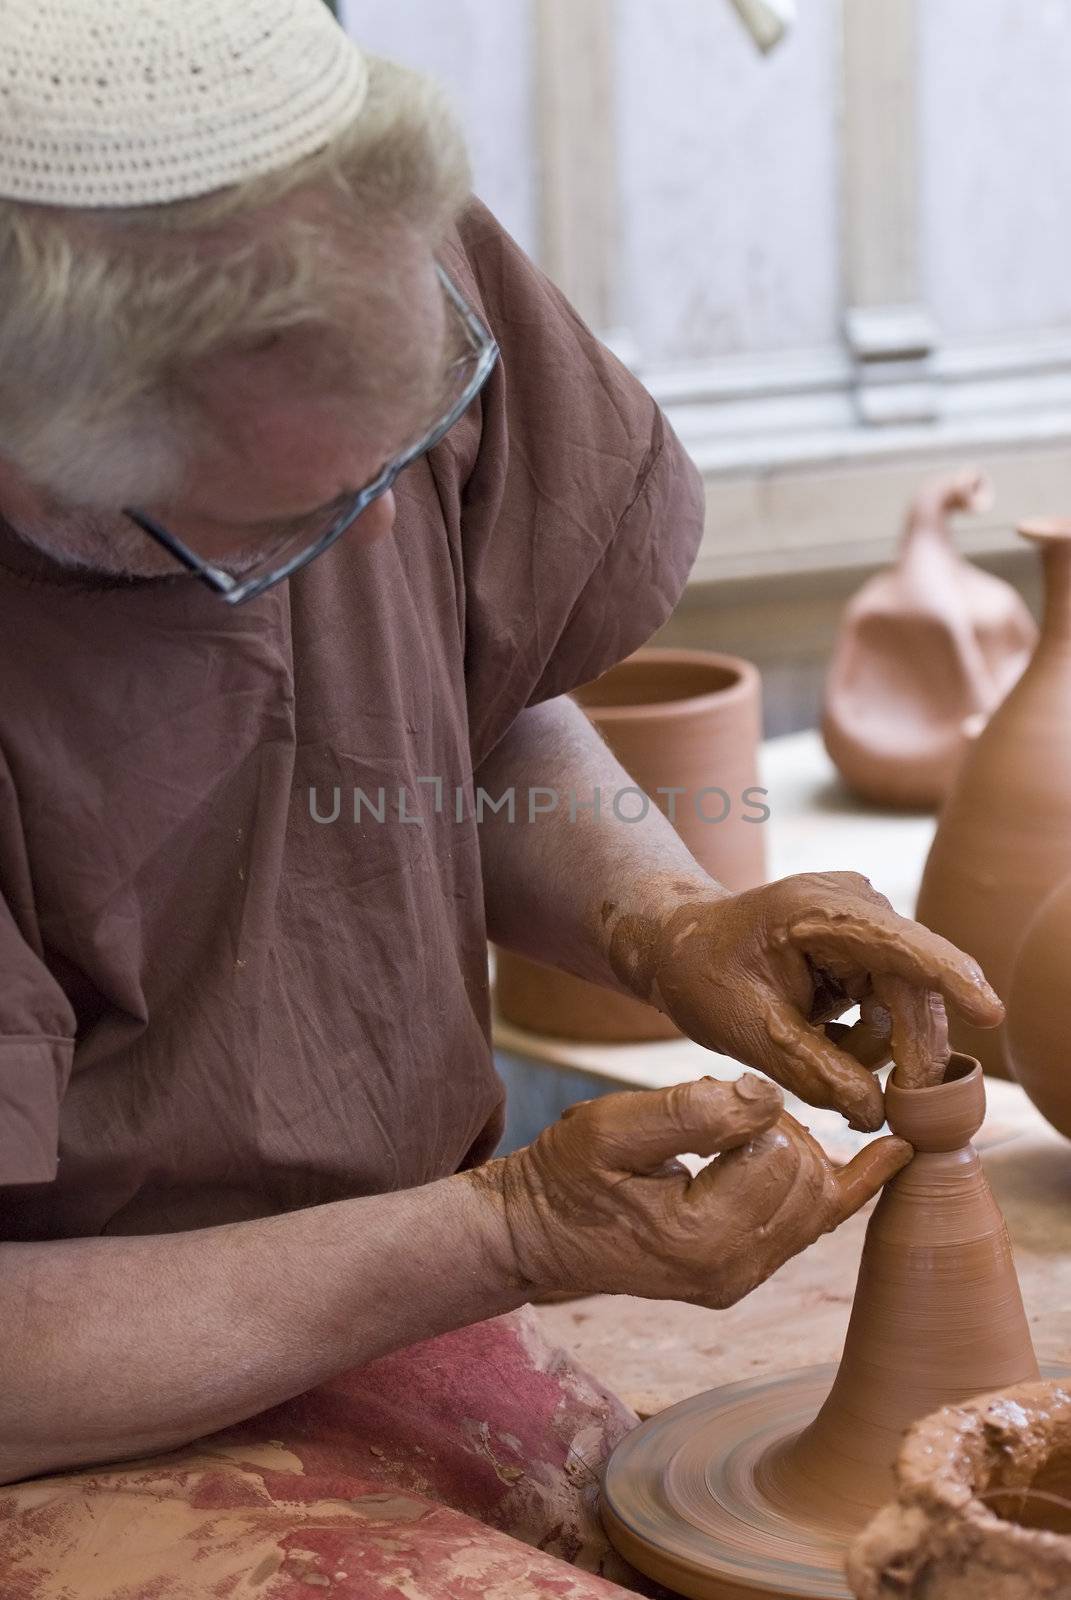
599,1204
235,1319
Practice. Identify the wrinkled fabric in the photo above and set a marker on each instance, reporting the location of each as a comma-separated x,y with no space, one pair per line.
462,1468
217,1002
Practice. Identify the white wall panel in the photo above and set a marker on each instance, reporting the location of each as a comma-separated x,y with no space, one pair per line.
994,79
730,181
481,51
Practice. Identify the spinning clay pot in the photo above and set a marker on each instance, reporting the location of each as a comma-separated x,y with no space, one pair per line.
1004,838
758,1489
925,651
937,1307
688,720
1039,1011
983,1507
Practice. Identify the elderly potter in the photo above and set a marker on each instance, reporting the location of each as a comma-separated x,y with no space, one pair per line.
308,477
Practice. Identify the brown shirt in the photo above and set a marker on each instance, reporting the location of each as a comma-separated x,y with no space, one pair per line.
213,1004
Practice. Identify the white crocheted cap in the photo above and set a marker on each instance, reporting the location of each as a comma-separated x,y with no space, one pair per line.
137,102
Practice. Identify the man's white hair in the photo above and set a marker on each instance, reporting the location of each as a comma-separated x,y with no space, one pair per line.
100,310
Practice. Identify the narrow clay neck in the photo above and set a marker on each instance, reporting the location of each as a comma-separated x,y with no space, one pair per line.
944,1116
928,519
1056,616
1052,537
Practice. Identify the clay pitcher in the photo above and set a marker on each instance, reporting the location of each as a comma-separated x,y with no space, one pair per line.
1039,1011
926,650
937,1316
689,720
983,1505
1004,838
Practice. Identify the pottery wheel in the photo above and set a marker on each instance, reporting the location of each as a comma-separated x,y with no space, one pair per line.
680,1497
680,1500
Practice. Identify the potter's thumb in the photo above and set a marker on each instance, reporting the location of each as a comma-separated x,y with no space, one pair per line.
868,1172
709,1116
639,1132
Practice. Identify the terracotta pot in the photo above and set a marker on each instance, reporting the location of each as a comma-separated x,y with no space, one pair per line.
983,1507
1039,1010
1004,838
759,1489
926,650
675,719
937,1314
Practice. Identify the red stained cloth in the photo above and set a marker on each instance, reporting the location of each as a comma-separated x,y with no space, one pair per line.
416,1477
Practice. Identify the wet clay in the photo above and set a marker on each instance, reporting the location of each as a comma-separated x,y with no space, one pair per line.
757,975
937,1312
1004,838
598,1202
983,1505
681,720
1039,1010
919,1032
925,652
757,1489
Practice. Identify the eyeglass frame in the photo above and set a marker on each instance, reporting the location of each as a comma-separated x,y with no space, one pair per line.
235,591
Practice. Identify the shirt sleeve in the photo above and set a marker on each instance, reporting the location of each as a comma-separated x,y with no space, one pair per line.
37,1023
580,513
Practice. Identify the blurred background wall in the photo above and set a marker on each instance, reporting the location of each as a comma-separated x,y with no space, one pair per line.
839,267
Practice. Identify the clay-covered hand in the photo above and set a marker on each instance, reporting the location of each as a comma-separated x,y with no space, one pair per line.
599,1204
757,975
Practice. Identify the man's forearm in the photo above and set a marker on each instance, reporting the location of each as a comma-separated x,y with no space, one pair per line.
559,885
119,1347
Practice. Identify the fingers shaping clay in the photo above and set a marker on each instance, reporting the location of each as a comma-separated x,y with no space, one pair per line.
688,721
919,1032
757,1489
1004,838
983,1505
926,650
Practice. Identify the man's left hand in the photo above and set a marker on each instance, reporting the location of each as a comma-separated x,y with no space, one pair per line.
760,975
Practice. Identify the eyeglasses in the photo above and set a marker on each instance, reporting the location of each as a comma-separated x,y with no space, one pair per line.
466,376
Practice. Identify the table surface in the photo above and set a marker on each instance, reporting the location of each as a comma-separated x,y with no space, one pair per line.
654,1353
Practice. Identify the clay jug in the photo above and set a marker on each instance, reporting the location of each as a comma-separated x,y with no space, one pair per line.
1004,837
1039,1010
925,651
937,1316
689,720
982,1506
